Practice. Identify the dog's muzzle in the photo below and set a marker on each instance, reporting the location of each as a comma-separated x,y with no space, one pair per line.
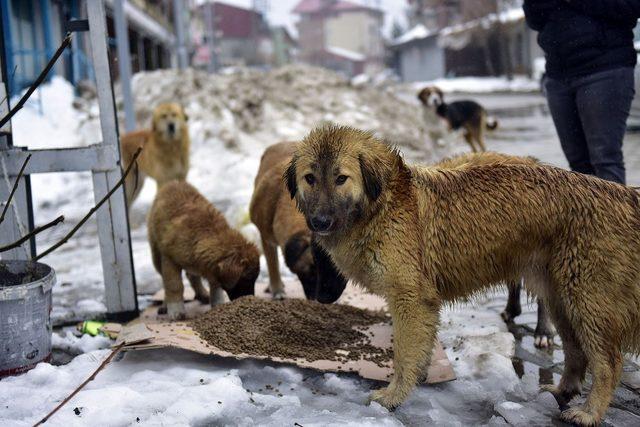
321,224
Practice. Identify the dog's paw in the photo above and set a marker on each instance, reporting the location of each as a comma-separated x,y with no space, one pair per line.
510,313
542,340
176,311
579,417
279,295
204,299
563,397
386,398
217,296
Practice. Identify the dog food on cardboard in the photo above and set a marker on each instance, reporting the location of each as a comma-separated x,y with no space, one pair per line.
292,328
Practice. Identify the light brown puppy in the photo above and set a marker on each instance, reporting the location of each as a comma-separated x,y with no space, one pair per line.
281,225
188,233
421,236
165,150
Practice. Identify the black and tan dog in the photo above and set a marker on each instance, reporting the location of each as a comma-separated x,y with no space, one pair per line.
467,115
422,236
281,225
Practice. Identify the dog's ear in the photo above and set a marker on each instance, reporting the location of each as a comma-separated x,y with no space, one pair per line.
290,178
371,179
422,96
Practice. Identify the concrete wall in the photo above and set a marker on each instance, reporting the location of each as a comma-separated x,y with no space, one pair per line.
420,61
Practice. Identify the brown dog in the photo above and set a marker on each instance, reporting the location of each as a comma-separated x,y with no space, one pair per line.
420,236
186,232
467,115
165,150
281,225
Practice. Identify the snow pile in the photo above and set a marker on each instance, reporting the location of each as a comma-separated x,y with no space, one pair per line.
481,84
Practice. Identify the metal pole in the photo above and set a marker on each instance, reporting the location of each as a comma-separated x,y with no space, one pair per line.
209,15
124,64
178,21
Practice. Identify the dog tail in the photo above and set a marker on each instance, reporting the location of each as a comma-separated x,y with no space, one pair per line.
492,123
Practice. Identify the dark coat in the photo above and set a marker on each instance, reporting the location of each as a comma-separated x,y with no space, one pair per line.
581,37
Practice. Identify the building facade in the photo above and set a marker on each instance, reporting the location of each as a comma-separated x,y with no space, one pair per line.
33,29
340,35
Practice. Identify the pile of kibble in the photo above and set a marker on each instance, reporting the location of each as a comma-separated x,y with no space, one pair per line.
292,329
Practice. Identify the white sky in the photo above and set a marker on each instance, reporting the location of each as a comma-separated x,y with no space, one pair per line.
279,12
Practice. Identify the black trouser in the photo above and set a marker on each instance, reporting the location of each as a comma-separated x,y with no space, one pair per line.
590,115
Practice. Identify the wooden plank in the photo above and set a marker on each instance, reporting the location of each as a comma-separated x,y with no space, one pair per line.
99,158
112,218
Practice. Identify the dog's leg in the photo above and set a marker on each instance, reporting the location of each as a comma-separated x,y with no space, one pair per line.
543,335
604,358
173,289
202,294
575,361
275,281
513,308
415,323
469,139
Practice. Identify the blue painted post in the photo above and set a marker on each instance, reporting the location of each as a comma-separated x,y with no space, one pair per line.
8,45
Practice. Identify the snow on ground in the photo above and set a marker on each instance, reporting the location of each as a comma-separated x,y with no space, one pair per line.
171,387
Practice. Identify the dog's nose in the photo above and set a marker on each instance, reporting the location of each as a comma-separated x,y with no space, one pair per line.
321,223
171,127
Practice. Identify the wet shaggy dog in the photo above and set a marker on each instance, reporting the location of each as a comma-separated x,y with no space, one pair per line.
544,332
188,233
165,150
281,225
467,115
423,236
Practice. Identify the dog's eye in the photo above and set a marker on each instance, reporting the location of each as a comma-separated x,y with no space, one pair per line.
310,179
341,179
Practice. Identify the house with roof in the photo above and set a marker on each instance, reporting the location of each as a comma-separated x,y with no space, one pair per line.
241,36
340,35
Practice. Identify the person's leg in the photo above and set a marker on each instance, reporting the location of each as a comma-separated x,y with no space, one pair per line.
562,105
603,101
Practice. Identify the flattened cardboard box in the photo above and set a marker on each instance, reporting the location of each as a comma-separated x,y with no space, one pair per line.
148,333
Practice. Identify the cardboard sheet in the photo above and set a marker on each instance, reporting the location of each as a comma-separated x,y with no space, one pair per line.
150,332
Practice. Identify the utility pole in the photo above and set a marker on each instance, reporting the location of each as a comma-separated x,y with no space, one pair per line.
124,64
178,22
209,17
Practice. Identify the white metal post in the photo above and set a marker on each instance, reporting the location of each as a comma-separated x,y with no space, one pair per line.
113,225
124,63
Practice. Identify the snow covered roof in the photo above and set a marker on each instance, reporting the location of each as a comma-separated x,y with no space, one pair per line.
345,53
416,33
313,6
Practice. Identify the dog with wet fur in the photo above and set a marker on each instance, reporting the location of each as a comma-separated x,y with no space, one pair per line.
424,236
